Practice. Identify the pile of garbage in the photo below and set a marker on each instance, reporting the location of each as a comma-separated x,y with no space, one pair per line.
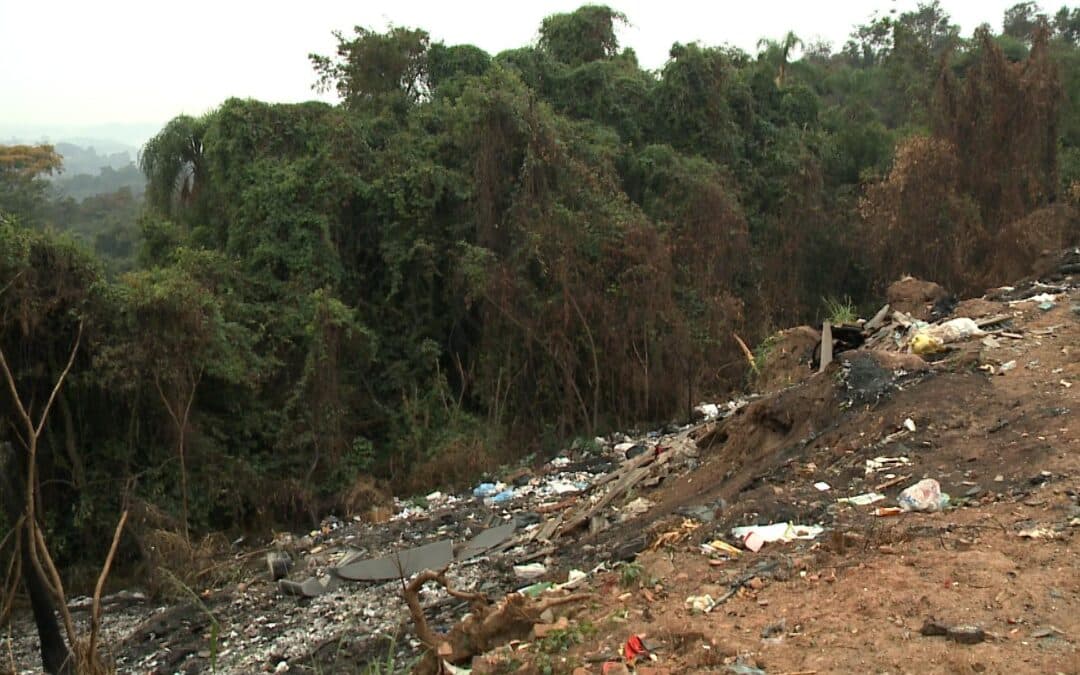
344,580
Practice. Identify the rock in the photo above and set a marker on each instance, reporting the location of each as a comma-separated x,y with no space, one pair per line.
962,634
967,635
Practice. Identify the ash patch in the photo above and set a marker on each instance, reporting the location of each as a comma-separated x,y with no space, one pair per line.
866,382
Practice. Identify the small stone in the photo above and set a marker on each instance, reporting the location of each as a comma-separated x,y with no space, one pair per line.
756,583
966,635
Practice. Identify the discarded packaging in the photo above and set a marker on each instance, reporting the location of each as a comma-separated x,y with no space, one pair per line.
822,486
909,424
865,499
879,463
700,604
923,344
755,536
504,496
573,579
888,511
487,489
635,649
926,495
720,546
952,330
535,590
530,571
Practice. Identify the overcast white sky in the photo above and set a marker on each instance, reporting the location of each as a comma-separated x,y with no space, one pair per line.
69,65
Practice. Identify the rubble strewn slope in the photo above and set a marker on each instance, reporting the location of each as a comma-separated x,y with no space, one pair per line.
638,530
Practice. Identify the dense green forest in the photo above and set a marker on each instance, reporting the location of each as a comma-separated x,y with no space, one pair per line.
474,257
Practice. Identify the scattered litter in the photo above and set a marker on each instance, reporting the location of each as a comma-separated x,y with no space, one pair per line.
637,507
720,546
1037,533
487,489
865,499
880,463
562,487
743,669
926,495
279,563
822,486
754,537
530,571
891,480
310,587
1048,631
707,411
909,424
923,344
573,580
931,339
1046,306
700,604
535,590
486,540
635,649
503,497
433,556
888,511
1040,298
1006,367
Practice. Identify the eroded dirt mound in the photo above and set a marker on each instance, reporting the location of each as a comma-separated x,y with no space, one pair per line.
785,358
915,297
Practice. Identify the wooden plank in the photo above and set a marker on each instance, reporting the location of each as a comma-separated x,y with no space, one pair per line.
628,481
548,529
991,320
826,346
626,467
879,318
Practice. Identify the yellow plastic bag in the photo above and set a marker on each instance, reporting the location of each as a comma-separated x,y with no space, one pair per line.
926,344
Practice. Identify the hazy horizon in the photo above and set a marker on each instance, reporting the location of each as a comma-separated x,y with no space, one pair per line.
118,70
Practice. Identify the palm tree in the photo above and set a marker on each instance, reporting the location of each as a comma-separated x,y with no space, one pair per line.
778,53
172,162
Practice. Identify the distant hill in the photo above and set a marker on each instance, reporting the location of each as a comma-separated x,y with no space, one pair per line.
101,167
86,159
